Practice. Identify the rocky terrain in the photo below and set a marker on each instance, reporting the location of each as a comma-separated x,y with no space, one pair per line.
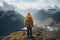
21,35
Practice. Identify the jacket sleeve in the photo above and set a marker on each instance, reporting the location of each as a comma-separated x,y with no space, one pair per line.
25,22
32,23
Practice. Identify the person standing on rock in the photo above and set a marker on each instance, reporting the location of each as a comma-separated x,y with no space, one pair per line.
28,22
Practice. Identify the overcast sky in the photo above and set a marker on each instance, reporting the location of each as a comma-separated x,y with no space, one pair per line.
35,4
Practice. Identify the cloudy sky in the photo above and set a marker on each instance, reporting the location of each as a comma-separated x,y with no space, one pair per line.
35,4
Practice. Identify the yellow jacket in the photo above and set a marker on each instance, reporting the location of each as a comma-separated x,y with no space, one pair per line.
28,21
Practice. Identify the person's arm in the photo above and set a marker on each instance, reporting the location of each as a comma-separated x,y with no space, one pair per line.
32,23
25,22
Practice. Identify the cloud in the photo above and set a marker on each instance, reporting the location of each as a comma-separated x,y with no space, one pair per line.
1,4
36,4
29,0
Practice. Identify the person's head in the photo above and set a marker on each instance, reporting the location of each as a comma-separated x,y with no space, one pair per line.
28,14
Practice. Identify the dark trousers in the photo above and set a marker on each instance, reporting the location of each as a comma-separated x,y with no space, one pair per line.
29,32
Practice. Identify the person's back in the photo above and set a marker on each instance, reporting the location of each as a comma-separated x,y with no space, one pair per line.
28,22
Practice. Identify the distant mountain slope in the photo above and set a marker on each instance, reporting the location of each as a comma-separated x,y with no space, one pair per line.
43,14
10,21
56,16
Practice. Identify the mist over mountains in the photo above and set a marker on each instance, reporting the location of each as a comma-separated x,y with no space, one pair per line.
6,6
10,20
44,14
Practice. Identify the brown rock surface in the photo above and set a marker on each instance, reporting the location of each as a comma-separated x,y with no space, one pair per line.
21,35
